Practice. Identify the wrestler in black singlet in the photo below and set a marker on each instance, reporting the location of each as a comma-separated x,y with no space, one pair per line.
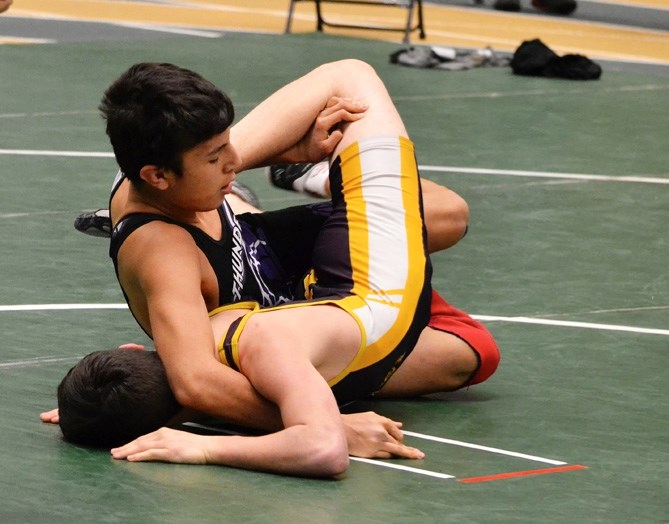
261,257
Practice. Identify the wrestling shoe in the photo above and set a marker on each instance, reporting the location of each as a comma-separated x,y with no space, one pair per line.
94,223
308,179
245,193
98,224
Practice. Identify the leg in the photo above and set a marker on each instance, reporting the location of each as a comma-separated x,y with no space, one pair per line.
453,351
446,213
376,218
439,362
446,216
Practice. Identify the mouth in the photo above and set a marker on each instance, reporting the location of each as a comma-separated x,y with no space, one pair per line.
227,189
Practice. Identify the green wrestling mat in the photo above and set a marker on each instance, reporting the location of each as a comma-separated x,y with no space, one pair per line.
565,261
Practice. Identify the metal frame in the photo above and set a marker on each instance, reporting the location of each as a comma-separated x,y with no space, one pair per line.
405,4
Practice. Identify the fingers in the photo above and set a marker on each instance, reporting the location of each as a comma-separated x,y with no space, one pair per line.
402,451
330,120
394,431
50,417
150,455
340,110
348,103
140,446
132,346
394,446
164,445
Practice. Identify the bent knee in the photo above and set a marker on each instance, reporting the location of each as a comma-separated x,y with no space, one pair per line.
446,215
488,356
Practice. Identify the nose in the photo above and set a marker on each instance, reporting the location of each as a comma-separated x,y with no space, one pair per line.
234,160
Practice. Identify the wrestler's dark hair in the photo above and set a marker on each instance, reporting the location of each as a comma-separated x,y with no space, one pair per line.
156,112
114,396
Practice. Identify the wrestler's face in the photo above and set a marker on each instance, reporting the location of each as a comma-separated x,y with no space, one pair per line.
208,170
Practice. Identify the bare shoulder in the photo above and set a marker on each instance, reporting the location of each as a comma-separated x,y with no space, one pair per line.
159,265
157,246
325,335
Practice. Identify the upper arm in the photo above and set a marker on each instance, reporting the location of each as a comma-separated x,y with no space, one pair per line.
159,267
295,386
289,354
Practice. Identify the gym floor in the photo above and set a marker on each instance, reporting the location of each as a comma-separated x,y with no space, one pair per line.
565,261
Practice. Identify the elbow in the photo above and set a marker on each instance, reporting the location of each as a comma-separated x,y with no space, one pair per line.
183,396
327,456
187,395
331,460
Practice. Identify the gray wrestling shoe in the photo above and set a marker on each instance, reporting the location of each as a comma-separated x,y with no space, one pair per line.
98,224
245,193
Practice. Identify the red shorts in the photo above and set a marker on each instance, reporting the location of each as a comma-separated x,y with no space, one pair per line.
445,317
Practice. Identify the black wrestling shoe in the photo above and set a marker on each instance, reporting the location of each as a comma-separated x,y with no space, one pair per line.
98,224
94,223
284,175
307,179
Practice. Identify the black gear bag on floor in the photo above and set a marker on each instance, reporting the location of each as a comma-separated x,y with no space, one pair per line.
534,58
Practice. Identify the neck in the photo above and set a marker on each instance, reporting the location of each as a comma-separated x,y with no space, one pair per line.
130,199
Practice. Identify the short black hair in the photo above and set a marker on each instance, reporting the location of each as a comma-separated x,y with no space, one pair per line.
155,112
114,396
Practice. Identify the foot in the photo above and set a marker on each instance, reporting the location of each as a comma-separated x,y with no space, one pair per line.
245,193
309,179
95,223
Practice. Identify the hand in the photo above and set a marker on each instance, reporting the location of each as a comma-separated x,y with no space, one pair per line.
165,445
131,346
326,133
50,417
370,435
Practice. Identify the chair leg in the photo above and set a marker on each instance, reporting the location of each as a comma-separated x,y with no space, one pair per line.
319,16
407,30
421,27
291,10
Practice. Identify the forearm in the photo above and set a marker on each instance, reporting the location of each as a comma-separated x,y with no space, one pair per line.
280,121
298,450
304,121
221,392
183,337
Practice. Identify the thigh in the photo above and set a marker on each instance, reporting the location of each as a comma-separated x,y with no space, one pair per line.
453,351
439,362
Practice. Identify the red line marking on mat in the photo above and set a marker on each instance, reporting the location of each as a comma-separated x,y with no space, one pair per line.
526,473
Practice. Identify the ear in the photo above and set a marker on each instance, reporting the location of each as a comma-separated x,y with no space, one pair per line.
154,176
